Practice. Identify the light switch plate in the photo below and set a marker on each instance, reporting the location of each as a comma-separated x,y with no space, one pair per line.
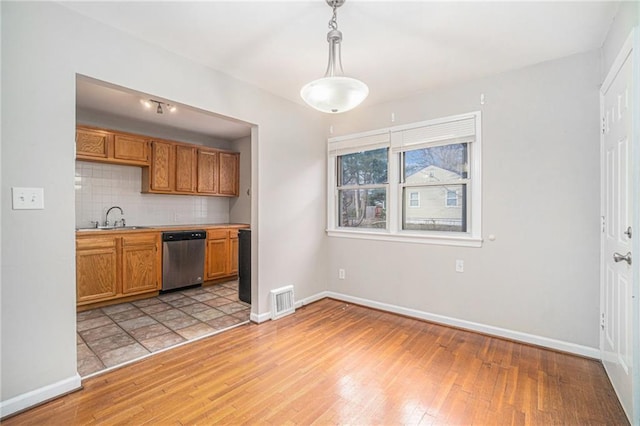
28,198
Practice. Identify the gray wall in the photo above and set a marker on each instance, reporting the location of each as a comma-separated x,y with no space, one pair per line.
540,199
44,46
240,207
628,16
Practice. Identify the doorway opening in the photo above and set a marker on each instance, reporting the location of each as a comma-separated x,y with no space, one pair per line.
121,215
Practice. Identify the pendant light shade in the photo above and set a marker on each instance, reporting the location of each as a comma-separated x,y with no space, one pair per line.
334,93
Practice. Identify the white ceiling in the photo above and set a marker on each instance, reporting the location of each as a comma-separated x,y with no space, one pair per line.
103,98
398,48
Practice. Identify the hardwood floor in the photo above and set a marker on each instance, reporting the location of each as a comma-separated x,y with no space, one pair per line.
333,363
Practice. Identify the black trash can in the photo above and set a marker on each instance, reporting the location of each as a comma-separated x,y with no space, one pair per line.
244,265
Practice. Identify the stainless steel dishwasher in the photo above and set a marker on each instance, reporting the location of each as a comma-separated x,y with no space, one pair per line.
182,259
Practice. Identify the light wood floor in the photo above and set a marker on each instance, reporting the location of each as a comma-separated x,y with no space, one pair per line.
333,363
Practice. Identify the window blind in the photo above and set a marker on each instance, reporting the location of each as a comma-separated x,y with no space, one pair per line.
366,142
462,130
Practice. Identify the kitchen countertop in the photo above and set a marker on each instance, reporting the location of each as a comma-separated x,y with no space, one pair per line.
158,228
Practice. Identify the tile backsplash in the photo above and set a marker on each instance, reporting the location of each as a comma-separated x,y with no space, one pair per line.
100,186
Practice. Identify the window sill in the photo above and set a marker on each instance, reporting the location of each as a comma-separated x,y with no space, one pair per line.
443,240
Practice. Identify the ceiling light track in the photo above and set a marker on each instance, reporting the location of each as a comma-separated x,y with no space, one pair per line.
158,104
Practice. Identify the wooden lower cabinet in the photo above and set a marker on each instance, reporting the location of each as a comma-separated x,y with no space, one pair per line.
96,269
233,251
217,256
222,253
140,263
114,266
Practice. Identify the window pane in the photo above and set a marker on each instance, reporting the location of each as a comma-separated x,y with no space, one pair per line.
437,164
363,168
442,208
363,208
414,199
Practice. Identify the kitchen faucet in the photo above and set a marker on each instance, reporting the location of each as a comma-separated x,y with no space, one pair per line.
106,217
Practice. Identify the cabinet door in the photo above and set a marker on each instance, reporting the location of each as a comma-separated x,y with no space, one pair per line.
233,251
131,149
229,167
161,166
92,144
185,168
217,253
207,172
140,263
96,269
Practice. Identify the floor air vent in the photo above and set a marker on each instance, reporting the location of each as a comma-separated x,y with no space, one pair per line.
282,302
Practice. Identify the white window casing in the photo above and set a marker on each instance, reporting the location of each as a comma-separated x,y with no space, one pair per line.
463,128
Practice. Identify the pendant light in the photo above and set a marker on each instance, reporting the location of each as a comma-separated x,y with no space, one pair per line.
334,93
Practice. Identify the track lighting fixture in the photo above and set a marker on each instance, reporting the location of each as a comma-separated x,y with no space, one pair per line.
150,103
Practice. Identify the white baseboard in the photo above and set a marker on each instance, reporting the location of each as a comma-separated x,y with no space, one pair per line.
40,395
259,318
532,339
312,299
518,336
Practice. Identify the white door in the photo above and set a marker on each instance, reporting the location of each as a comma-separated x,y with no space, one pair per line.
617,281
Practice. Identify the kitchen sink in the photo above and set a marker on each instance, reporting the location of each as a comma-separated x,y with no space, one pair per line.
113,228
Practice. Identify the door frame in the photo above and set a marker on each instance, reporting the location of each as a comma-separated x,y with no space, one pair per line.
631,46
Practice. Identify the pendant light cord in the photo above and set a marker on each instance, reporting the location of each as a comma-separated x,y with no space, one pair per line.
333,22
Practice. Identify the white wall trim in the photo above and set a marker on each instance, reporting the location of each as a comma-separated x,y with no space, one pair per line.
532,339
40,395
260,318
311,299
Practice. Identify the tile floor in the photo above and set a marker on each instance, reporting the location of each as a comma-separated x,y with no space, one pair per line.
120,333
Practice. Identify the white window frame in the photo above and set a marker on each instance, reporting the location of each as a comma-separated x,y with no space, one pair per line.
447,130
455,197
417,199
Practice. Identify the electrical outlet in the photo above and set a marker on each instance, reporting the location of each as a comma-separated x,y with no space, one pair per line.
459,265
28,198
341,274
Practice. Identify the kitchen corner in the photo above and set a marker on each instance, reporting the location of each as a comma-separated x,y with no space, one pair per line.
131,189
158,213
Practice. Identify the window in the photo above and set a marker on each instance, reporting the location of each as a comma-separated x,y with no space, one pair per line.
452,198
418,182
362,189
414,199
437,174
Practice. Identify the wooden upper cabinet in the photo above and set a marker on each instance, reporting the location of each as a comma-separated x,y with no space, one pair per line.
185,168
92,144
229,173
162,166
105,146
168,167
131,149
207,172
